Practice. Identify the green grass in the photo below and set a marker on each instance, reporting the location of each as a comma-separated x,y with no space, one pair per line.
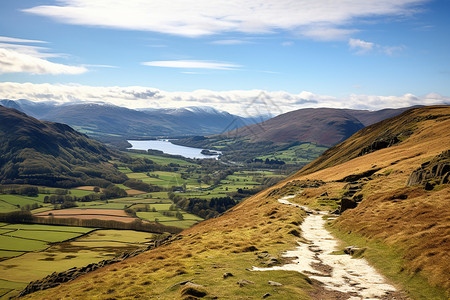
18,244
389,262
45,235
48,228
122,236
162,160
170,221
303,153
80,193
16,272
8,254
9,289
11,202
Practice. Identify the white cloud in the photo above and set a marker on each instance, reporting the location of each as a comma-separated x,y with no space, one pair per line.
328,33
230,42
360,46
392,50
12,61
241,102
363,47
287,43
322,19
17,40
192,64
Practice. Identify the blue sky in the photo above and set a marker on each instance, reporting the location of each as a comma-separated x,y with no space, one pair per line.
227,54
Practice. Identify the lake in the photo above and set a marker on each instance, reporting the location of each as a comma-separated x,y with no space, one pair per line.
169,148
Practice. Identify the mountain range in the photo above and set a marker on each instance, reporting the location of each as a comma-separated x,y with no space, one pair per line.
110,120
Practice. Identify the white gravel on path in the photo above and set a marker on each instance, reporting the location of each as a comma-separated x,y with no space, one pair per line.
337,272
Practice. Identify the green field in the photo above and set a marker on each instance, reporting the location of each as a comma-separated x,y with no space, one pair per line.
16,272
162,160
26,238
10,203
303,153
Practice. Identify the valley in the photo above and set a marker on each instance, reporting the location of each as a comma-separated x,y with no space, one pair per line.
226,217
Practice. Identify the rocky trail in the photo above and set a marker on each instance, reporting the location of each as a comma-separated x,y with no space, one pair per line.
342,276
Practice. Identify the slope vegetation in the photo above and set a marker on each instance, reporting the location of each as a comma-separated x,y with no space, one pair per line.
51,154
414,218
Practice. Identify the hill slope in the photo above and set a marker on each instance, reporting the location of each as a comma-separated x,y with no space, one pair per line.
410,223
52,154
324,126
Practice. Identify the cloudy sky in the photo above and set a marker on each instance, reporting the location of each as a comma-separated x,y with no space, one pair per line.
268,55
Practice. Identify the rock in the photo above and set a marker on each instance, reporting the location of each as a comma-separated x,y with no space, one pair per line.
272,261
266,295
179,283
250,249
324,194
294,232
347,204
191,284
193,291
274,283
352,250
437,170
227,274
244,282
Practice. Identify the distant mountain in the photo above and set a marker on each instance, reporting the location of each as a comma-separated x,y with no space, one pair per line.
368,117
324,126
51,154
204,120
110,120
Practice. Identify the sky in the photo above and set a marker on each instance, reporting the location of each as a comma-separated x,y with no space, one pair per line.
246,57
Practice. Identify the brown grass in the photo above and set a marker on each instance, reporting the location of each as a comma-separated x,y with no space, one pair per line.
82,213
132,192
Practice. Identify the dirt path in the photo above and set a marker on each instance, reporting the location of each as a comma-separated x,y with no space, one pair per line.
355,278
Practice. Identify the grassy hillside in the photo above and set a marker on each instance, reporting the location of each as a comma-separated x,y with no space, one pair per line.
404,229
51,154
412,219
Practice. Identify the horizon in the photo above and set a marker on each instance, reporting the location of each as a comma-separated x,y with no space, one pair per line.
243,58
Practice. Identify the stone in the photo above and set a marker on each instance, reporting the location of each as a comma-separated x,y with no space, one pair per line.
227,274
244,282
274,283
266,295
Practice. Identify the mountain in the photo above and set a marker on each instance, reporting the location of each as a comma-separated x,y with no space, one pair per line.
368,117
324,126
202,120
112,121
401,229
51,154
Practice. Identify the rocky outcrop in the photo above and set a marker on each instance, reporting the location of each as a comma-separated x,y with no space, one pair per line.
351,196
294,186
56,279
430,173
380,144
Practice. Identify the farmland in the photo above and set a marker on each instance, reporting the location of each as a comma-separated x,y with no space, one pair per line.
30,252
180,193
